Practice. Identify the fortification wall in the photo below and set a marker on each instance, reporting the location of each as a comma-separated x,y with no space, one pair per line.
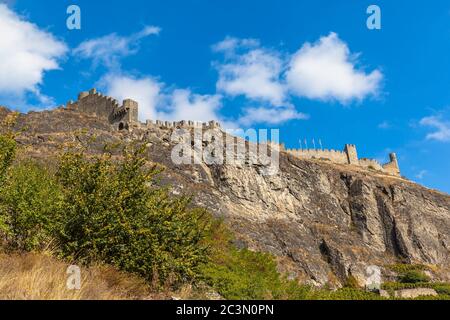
96,103
183,124
370,163
331,155
126,116
348,156
392,168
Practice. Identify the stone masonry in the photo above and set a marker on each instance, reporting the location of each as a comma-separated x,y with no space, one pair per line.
125,117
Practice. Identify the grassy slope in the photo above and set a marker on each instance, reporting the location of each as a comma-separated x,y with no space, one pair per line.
42,277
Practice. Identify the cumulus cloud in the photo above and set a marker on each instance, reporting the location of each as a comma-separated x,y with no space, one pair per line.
441,128
147,91
385,125
421,174
230,45
254,73
186,105
109,49
158,102
26,53
270,115
327,70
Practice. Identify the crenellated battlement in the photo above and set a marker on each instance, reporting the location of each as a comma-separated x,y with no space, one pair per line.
125,116
183,124
348,156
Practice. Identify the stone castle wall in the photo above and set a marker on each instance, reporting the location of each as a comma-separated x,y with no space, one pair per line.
370,164
331,155
348,156
95,103
125,116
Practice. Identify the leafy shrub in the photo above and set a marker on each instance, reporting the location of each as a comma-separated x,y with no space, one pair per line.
440,287
244,274
114,212
30,201
346,294
403,268
352,282
414,276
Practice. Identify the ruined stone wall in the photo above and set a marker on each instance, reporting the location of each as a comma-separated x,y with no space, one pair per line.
125,116
96,103
331,155
183,124
392,166
352,154
348,156
370,163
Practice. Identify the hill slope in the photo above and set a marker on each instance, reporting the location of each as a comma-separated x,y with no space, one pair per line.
323,221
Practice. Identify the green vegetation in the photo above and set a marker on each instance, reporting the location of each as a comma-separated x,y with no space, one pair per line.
352,283
401,268
244,274
95,209
114,212
30,200
414,276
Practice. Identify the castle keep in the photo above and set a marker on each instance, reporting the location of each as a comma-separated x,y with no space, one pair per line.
125,117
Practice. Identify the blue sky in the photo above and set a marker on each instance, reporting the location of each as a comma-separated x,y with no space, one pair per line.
310,68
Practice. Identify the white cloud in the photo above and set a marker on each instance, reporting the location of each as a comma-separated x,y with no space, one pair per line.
230,45
254,73
110,48
270,115
384,125
441,126
26,53
421,174
188,106
326,70
159,103
146,91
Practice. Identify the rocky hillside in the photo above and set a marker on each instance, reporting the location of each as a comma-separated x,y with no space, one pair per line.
323,221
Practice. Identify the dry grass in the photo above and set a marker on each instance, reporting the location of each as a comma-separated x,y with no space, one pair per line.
41,277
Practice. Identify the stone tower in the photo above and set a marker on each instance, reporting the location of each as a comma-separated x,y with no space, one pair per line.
132,109
352,154
392,167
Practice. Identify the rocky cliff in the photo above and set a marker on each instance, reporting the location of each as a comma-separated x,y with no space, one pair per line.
323,221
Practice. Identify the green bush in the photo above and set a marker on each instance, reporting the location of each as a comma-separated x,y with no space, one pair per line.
414,276
30,203
402,268
346,294
114,212
352,282
440,287
244,274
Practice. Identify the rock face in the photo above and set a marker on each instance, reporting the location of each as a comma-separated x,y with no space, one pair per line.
323,221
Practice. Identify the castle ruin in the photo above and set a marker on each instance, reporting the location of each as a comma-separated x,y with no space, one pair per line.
125,117
348,156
